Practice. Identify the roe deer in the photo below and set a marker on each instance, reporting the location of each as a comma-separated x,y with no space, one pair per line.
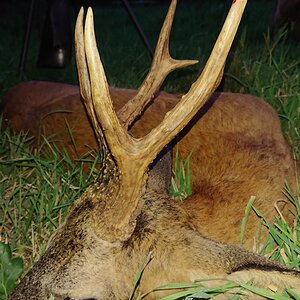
110,230
229,126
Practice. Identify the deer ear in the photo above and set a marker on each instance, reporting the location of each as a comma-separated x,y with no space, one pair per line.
160,172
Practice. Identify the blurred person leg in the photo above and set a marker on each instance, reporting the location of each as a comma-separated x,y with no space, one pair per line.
55,48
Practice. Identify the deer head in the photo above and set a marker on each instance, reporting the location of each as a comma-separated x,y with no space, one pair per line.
120,219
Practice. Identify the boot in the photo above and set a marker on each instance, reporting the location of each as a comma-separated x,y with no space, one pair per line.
55,48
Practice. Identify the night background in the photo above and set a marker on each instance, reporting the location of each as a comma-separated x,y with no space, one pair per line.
125,57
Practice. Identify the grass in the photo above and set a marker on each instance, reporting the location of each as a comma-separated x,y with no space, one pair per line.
36,190
181,186
283,242
233,290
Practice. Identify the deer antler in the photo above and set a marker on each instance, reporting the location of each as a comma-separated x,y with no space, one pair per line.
132,155
84,77
162,65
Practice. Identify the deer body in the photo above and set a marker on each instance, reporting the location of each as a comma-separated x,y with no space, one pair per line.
237,146
120,219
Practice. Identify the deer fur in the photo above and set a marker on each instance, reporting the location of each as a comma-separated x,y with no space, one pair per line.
93,256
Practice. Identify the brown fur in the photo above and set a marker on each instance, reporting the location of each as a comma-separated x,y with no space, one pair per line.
238,150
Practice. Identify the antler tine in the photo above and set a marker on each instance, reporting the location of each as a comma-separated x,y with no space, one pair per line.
162,65
83,74
202,89
115,134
